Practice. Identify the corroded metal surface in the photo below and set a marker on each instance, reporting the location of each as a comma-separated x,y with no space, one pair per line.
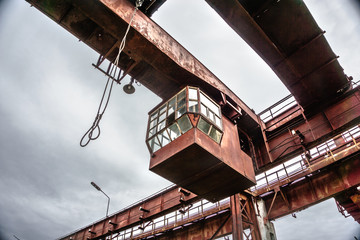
101,25
236,211
152,56
211,170
294,47
315,127
159,204
344,150
349,204
204,229
315,188
287,37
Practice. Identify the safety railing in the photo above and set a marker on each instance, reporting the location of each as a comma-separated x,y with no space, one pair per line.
188,214
173,220
304,161
124,209
277,108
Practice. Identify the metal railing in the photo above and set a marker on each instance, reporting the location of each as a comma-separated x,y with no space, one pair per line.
173,220
122,210
302,162
265,180
277,108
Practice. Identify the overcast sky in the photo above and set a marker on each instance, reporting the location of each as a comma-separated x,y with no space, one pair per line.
49,94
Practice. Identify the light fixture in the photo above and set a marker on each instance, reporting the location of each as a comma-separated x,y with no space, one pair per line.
144,210
96,186
186,193
99,189
129,88
114,224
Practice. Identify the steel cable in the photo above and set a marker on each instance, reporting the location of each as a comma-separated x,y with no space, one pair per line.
95,126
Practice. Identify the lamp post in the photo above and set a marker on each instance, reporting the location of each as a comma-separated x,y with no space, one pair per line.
99,189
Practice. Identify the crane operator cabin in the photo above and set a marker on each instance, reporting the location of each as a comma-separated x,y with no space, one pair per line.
195,147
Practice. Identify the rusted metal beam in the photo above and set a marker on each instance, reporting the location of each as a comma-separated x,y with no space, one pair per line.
159,204
236,211
315,128
317,187
243,210
249,216
299,58
187,218
346,150
210,224
163,65
203,229
348,203
220,227
243,24
168,47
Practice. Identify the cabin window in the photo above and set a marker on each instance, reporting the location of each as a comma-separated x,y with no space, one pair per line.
193,100
171,119
210,110
209,129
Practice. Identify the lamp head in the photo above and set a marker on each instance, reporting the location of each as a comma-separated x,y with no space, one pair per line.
96,186
129,88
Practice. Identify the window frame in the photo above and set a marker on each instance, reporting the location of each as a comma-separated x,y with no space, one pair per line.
159,127
208,109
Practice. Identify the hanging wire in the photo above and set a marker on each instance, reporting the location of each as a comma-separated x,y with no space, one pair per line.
89,135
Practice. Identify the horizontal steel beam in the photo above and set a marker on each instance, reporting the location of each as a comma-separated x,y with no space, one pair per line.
203,229
210,222
339,153
315,128
161,63
303,60
314,188
205,217
159,204
166,48
322,183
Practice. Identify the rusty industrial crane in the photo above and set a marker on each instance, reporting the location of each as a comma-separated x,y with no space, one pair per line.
234,171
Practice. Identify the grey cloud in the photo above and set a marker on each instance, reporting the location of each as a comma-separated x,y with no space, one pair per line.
49,94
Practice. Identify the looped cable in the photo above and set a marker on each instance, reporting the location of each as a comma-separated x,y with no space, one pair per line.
100,113
95,126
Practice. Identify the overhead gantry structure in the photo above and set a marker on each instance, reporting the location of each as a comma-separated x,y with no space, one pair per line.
287,38
301,154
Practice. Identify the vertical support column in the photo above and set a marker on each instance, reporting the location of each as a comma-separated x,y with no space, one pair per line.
251,213
266,228
237,228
